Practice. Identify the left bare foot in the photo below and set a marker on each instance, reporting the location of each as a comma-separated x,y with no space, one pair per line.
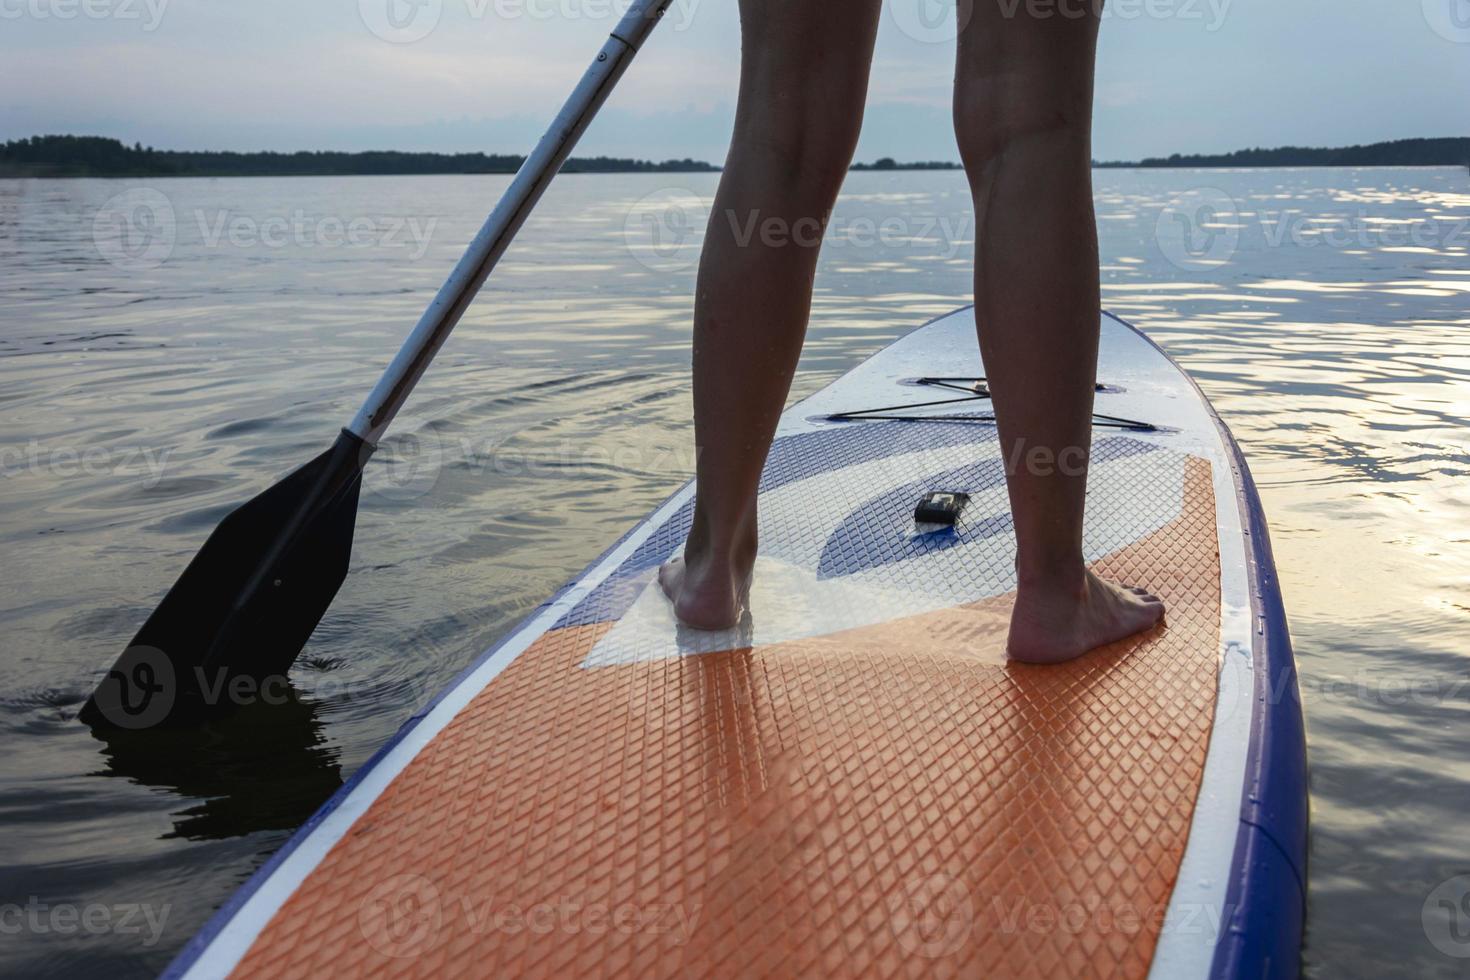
709,589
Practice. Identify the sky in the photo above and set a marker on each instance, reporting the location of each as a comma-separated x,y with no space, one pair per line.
463,75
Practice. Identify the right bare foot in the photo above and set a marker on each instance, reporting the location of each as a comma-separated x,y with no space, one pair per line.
1051,625
709,589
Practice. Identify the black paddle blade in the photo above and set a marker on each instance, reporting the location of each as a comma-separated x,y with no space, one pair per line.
233,623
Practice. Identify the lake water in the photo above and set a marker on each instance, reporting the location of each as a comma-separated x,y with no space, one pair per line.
170,347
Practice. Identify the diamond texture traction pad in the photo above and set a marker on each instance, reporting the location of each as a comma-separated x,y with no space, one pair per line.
887,801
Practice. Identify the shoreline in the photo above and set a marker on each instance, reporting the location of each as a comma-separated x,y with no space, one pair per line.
1223,168
96,157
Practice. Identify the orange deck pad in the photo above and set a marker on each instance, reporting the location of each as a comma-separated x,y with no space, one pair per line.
887,801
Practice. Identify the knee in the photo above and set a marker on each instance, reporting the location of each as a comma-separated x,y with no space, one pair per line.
995,114
805,138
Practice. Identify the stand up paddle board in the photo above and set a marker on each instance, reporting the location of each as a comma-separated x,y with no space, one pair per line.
853,781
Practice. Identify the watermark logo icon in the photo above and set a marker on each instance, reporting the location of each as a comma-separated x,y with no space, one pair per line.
401,21
1450,19
664,230
139,690
1446,917
408,463
933,916
931,21
136,230
402,916
1199,229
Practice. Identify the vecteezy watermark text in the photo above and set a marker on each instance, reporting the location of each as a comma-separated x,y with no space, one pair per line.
139,230
942,21
1211,12
406,915
301,230
147,12
665,230
1204,227
938,915
409,21
72,461
40,918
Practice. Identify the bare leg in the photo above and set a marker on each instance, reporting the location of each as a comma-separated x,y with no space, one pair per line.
1023,115
803,80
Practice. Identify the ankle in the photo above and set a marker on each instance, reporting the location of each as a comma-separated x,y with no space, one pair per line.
1065,577
732,543
720,553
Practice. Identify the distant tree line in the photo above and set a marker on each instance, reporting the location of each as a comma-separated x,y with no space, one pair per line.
888,163
1448,152
95,156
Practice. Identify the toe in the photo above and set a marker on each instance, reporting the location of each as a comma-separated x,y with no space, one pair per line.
668,577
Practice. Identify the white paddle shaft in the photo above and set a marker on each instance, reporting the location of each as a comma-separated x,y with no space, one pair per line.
515,206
